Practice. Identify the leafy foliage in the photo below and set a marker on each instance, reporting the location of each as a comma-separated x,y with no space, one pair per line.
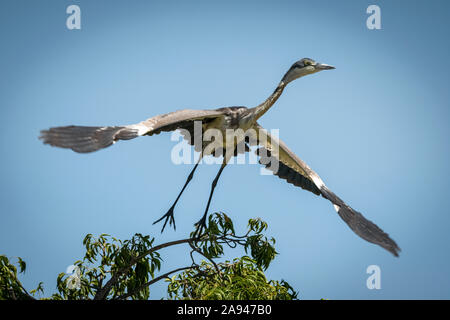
124,265
241,279
112,269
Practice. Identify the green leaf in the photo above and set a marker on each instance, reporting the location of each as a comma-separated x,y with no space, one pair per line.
22,265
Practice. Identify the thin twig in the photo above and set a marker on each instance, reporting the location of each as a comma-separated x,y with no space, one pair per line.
212,261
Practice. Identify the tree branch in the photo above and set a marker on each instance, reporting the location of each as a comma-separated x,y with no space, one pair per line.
165,275
211,260
103,292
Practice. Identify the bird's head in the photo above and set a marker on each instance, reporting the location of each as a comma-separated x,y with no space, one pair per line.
304,67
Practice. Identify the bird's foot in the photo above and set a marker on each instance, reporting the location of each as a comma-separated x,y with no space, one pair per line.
169,218
200,226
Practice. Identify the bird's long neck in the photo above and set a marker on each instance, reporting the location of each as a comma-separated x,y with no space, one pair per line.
266,105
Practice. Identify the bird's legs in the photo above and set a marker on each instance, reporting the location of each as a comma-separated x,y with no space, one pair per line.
201,224
169,215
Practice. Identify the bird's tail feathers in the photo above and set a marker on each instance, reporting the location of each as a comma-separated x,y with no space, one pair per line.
86,139
364,228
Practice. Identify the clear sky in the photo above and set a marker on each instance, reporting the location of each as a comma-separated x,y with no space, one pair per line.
376,130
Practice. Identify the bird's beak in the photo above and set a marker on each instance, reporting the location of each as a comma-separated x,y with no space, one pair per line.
322,66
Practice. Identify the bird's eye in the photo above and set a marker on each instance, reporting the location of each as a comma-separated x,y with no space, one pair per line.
307,63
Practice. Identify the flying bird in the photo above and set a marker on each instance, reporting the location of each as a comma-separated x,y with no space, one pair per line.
84,139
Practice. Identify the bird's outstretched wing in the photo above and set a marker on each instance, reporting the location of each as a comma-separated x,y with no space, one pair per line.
84,139
297,172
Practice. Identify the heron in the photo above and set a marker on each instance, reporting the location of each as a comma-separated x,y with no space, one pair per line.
85,139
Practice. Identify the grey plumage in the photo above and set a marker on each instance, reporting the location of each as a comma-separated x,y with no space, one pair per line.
309,180
364,228
290,167
285,172
86,139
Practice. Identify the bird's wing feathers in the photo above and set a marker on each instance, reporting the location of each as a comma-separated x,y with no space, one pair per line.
174,120
290,167
297,172
84,139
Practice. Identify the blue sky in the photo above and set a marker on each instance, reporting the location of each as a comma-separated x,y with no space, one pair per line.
375,129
